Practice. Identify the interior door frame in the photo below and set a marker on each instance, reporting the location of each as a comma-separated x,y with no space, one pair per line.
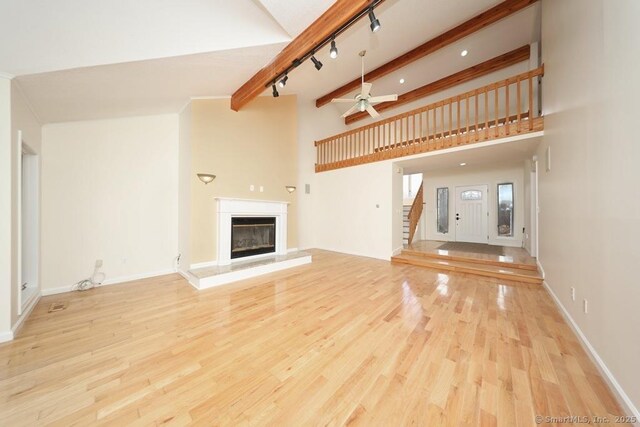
485,201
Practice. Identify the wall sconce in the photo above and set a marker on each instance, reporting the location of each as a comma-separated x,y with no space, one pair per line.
290,188
206,178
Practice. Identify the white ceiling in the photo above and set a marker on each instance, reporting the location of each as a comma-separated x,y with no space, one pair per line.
509,154
101,52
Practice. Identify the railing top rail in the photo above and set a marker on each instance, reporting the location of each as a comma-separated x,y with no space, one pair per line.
487,88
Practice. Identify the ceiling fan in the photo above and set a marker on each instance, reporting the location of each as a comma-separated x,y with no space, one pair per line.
364,101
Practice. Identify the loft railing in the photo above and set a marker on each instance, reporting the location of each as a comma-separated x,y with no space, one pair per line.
415,212
497,110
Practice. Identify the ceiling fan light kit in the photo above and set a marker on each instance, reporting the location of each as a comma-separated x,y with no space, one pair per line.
364,101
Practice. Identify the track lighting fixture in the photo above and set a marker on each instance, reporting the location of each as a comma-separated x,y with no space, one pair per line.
283,81
333,52
275,91
375,24
317,63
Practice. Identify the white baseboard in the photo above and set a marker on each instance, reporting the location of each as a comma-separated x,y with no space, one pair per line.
540,269
189,278
25,314
342,251
398,251
6,336
113,281
623,398
197,265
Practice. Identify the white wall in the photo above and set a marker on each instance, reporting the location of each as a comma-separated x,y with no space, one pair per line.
354,210
110,192
5,208
184,184
589,205
492,176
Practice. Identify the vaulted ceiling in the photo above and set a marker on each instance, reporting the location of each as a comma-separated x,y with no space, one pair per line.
91,59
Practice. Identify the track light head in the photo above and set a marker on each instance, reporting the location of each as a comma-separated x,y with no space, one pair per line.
275,91
317,63
333,52
283,81
375,24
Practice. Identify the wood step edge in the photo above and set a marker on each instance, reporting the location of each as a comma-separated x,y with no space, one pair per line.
470,269
471,260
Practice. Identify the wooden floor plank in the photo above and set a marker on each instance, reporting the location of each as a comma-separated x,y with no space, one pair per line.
345,340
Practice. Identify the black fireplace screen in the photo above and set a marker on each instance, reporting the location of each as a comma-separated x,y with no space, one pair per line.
252,236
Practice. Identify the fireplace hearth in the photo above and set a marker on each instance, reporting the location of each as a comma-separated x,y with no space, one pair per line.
252,236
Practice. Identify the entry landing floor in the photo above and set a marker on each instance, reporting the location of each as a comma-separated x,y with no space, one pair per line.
490,253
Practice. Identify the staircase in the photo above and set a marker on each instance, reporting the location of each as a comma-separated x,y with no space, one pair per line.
476,266
405,224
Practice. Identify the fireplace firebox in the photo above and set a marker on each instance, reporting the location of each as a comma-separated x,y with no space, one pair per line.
252,236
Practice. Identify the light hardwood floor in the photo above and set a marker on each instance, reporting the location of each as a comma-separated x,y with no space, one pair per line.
345,340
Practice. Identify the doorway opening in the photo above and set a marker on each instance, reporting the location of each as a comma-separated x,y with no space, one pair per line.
29,225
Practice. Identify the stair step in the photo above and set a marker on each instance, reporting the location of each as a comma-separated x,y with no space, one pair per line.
471,260
498,272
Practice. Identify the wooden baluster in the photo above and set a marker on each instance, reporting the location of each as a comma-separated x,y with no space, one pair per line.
506,116
530,101
458,123
420,128
496,112
467,117
486,113
442,123
518,100
450,124
476,111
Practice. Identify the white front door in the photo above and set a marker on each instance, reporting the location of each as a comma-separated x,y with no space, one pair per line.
471,214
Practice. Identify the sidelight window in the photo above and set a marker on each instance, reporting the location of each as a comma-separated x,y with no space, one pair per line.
505,210
442,210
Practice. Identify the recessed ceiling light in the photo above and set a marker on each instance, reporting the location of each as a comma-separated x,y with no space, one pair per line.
463,164
464,53
401,81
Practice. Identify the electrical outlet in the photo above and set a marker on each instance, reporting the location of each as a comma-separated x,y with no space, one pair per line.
98,263
585,306
573,293
124,260
261,189
307,189
252,187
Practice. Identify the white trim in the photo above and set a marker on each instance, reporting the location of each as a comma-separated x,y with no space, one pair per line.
354,253
290,250
210,97
540,269
602,367
114,281
234,276
188,277
6,336
8,77
27,311
195,266
397,251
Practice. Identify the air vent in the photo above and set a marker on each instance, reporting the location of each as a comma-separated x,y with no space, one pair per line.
57,306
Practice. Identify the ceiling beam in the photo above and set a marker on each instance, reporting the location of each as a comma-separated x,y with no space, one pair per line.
484,68
339,14
474,24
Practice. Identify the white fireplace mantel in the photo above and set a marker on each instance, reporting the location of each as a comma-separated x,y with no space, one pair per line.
228,208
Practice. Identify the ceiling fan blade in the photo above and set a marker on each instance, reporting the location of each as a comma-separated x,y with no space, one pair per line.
342,100
372,111
351,110
383,98
366,89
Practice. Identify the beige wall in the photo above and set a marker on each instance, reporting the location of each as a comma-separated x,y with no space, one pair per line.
589,205
256,146
184,189
5,208
110,192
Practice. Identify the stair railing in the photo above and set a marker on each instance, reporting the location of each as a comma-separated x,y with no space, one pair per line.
415,212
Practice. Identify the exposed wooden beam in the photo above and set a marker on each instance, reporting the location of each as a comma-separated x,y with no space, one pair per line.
494,64
339,14
474,24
